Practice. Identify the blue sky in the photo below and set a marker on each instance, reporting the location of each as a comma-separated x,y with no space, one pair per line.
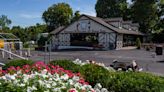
29,12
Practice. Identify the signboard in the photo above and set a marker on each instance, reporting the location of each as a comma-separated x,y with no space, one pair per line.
2,43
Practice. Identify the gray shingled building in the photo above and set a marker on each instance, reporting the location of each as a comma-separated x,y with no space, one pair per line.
89,31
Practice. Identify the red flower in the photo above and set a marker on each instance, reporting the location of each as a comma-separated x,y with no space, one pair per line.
72,90
17,68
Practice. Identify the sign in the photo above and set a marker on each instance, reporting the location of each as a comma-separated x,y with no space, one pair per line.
2,43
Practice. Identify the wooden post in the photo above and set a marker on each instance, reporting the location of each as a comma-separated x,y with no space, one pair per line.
20,48
45,49
10,57
50,51
3,54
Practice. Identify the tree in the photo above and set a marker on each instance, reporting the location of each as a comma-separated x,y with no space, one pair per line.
111,8
57,15
76,16
159,27
20,33
145,13
4,22
28,33
33,31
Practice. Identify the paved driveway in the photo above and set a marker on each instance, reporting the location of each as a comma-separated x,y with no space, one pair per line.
143,58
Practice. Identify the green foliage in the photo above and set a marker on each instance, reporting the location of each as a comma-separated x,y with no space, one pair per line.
57,15
76,16
158,37
145,13
19,62
133,82
113,81
138,43
95,74
32,31
20,33
41,41
4,21
67,64
111,8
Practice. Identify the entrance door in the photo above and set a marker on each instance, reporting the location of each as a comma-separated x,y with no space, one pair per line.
84,39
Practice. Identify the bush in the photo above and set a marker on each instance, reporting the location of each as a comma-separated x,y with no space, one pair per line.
133,82
120,81
138,43
67,64
94,74
113,81
16,63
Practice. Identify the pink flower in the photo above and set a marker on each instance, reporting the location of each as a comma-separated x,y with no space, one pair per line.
73,90
17,68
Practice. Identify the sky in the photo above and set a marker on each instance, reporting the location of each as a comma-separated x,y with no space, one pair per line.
29,12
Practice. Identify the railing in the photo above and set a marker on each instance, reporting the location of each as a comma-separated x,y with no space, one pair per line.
10,53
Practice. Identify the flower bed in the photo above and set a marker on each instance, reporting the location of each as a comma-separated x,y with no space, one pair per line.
43,78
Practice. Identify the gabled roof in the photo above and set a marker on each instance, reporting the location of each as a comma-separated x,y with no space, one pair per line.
127,22
103,23
118,30
8,36
113,19
57,30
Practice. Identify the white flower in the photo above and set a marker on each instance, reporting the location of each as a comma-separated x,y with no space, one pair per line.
57,90
54,84
44,72
75,78
41,82
65,77
97,90
119,69
130,69
70,81
12,77
98,86
22,85
104,90
4,77
48,85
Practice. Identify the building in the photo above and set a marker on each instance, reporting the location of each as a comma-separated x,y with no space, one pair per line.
89,31
10,41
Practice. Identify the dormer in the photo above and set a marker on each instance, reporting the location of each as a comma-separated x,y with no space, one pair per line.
135,26
117,22
127,25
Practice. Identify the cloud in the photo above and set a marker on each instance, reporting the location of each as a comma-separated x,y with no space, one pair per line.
30,16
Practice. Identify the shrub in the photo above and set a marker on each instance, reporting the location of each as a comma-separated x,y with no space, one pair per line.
67,64
16,63
133,82
138,43
94,74
114,81
120,81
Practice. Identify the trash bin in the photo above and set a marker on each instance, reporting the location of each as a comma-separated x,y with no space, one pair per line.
159,50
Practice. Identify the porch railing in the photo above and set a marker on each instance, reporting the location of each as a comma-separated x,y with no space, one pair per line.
3,51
